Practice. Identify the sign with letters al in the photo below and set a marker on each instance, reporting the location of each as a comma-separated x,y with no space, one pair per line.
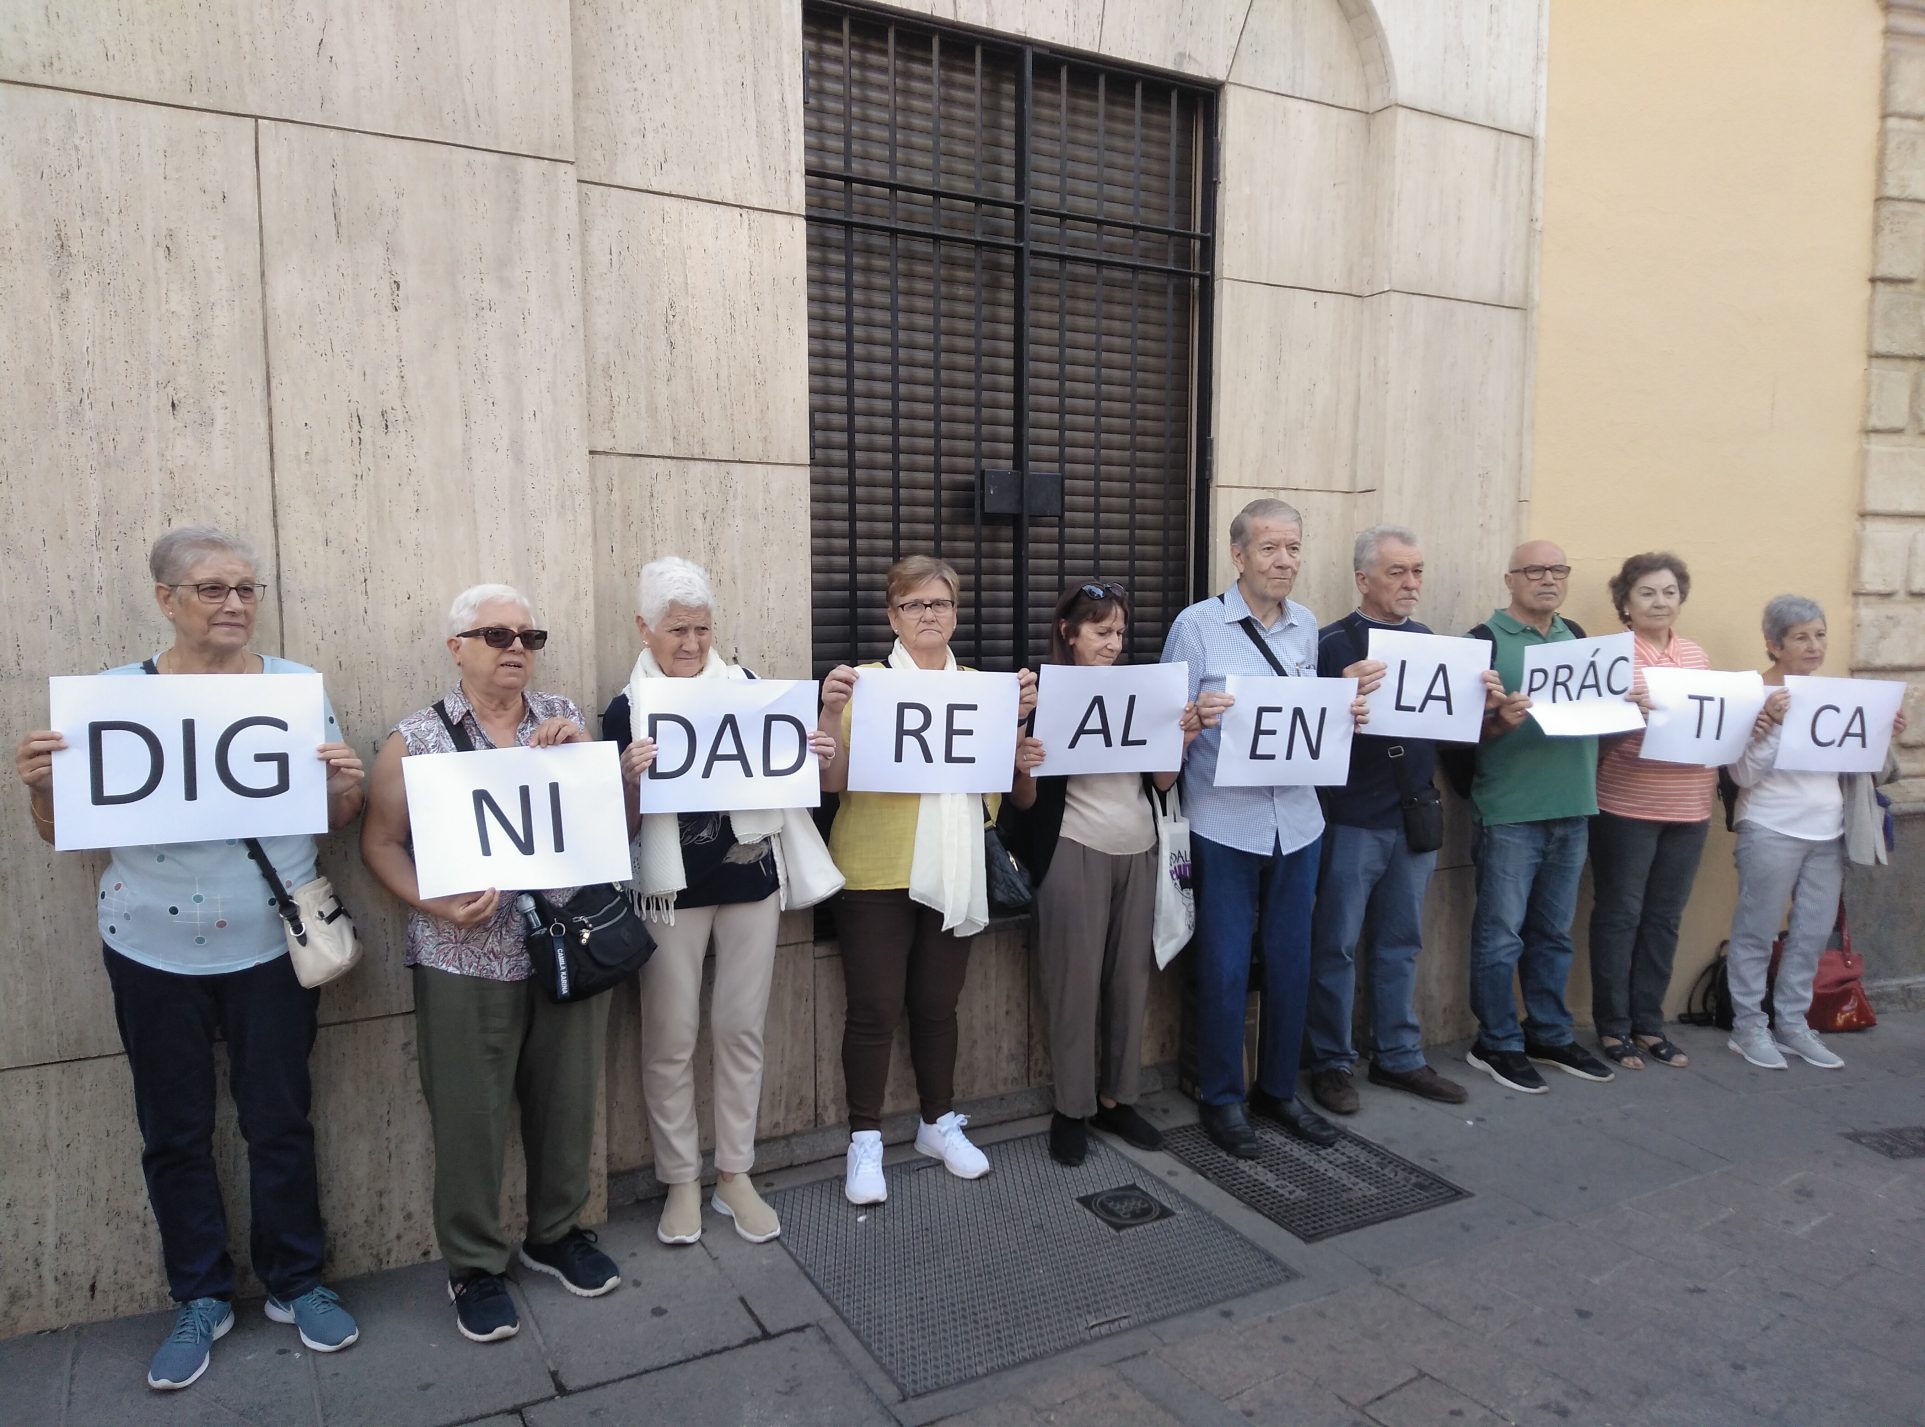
1577,686
932,731
187,757
722,744
1115,719
1838,725
1285,732
517,818
1700,716
1433,686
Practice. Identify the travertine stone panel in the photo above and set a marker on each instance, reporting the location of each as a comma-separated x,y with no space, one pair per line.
1185,36
628,1137
1890,636
1884,549
1888,398
1330,523
1894,479
1453,206
1286,386
132,398
1443,968
1477,61
1074,24
491,73
1898,322
1305,48
697,99
697,329
1901,159
1295,199
1899,247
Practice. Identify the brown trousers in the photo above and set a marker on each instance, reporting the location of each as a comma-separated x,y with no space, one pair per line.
895,953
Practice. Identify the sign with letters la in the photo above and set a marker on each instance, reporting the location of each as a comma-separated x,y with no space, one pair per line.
722,744
1433,686
932,731
1111,719
1838,725
1285,732
1577,686
1700,716
187,758
517,818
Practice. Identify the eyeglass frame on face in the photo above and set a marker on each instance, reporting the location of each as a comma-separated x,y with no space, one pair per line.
1538,572
253,592
916,609
532,640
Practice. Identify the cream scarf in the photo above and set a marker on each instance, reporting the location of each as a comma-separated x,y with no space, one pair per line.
947,872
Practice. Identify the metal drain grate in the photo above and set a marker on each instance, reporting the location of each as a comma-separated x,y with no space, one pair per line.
1315,1193
953,1279
1905,1142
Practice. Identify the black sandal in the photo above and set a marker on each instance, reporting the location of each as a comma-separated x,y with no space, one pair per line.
1623,1052
1662,1051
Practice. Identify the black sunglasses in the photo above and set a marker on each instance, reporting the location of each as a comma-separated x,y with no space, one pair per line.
1104,591
500,638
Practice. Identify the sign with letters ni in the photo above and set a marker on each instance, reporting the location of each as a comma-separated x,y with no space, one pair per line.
1838,725
1115,719
1700,716
187,758
1285,732
722,744
1433,686
932,731
517,818
1577,686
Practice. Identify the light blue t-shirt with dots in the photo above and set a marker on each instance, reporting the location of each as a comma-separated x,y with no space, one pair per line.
202,908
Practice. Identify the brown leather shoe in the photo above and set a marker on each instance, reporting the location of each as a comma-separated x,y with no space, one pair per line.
1334,1090
1423,1082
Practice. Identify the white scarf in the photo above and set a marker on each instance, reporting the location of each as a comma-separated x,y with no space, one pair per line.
947,872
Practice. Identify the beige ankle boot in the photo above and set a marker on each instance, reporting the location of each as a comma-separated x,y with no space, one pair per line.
754,1220
681,1215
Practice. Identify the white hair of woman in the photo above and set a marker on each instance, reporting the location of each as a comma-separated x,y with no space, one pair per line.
672,581
177,552
467,605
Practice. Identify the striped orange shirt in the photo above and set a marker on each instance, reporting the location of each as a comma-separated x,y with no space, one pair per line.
1634,787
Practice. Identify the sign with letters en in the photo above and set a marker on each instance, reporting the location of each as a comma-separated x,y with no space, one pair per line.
1577,687
1700,716
722,744
1114,719
1838,725
1433,686
187,758
932,731
1284,733
517,818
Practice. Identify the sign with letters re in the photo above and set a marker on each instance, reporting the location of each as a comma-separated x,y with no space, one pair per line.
517,818
1114,719
722,744
187,758
1433,686
1283,733
932,731
1838,725
1700,716
1577,686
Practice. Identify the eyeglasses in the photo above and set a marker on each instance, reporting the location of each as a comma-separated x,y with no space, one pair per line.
915,609
212,592
1538,572
1105,591
500,638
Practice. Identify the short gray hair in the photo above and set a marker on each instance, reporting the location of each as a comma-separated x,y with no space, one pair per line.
1263,508
668,581
1364,553
175,553
1786,612
461,614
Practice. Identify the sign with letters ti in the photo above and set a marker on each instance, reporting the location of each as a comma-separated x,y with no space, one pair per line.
1838,725
1577,687
1433,686
932,731
1700,716
187,758
1115,719
517,818
722,744
1285,732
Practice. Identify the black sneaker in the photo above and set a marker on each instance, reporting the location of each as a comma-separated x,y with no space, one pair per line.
583,1269
1068,1140
1511,1069
1128,1126
483,1310
1572,1059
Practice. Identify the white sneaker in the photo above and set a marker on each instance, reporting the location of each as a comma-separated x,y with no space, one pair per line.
864,1184
1755,1045
1803,1042
946,1141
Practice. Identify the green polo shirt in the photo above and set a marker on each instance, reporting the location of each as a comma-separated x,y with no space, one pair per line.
1524,777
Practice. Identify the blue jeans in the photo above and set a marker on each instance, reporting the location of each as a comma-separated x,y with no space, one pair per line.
1527,876
1368,869
1239,896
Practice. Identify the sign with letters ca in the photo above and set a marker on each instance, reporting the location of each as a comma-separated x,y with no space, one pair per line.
1285,732
932,731
517,818
1577,687
1700,716
187,758
1115,719
722,744
1433,686
1838,725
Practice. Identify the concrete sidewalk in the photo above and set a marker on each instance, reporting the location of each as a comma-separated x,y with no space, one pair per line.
1673,1249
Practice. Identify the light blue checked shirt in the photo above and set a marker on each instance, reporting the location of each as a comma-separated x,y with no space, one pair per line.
1208,637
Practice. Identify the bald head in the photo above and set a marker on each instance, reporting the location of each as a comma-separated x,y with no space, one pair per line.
1538,578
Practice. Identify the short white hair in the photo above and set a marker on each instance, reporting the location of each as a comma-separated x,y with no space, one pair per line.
1364,553
181,548
669,581
1263,508
461,614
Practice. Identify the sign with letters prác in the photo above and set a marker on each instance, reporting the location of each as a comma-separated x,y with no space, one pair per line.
1433,686
186,758
517,818
1700,716
1284,732
1114,719
722,744
932,731
1838,725
1577,687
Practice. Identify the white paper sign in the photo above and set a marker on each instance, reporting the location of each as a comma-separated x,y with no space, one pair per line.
1577,686
186,757
1700,716
1283,733
932,731
1111,719
517,818
1838,725
722,744
1433,687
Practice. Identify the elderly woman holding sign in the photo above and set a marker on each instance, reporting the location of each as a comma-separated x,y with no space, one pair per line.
716,879
486,1037
915,895
195,951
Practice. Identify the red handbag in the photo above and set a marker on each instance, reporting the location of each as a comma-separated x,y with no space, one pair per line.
1838,999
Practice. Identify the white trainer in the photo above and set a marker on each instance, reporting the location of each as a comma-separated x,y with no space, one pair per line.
1803,1042
865,1184
1755,1045
946,1141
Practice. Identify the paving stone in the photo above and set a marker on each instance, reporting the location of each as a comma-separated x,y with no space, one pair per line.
34,1368
1288,1400
259,1372
1822,1352
1465,1293
1426,1402
1467,1226
1105,1405
767,1279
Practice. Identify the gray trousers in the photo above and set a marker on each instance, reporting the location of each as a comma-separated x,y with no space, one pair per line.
1772,868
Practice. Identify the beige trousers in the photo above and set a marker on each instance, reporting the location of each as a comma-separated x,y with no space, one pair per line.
744,937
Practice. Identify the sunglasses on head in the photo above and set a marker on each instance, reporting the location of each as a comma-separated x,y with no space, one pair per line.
1106,591
498,637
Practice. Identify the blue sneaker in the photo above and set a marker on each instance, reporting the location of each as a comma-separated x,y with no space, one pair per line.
323,1323
183,1357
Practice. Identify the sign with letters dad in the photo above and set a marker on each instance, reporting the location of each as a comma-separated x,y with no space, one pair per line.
932,731
1283,733
722,744
187,758
517,818
1111,720
1700,716
1577,686
1838,725
1433,686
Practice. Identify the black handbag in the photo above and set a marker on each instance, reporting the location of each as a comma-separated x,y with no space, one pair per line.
1011,893
1422,808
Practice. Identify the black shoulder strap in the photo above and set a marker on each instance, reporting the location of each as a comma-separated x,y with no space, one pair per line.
1249,624
462,743
148,666
1577,630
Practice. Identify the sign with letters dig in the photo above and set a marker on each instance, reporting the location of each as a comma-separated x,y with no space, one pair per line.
1285,732
1700,716
1577,686
723,744
517,818
1433,686
932,731
1838,725
1111,719
187,758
